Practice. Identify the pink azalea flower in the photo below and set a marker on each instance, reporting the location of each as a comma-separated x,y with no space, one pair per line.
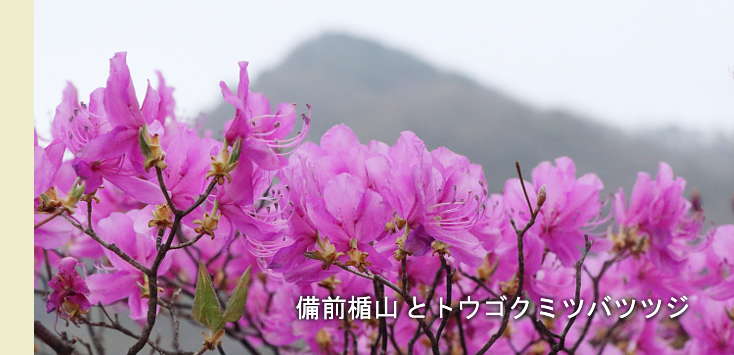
167,105
132,235
328,186
264,133
47,161
104,136
712,266
570,210
76,123
254,204
69,291
439,194
658,211
642,278
709,324
188,159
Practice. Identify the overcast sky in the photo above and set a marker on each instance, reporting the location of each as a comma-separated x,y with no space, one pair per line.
630,62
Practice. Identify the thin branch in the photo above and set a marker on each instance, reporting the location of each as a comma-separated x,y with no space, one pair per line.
153,291
259,334
164,189
188,243
90,198
60,346
200,200
115,325
175,324
522,183
241,338
479,282
426,329
449,274
109,246
85,344
47,265
382,336
608,335
153,271
520,260
577,297
595,282
405,297
48,219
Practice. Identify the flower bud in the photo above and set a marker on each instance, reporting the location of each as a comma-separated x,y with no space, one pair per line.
330,283
74,195
151,148
487,269
326,252
69,292
323,339
696,201
208,224
358,259
162,217
49,201
439,247
629,239
541,197
509,287
224,163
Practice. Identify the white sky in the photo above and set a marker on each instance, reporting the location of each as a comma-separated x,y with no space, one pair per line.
633,63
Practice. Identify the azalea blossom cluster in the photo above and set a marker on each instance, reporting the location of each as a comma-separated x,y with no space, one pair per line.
138,213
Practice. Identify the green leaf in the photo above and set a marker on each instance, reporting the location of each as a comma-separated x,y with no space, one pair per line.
206,309
236,303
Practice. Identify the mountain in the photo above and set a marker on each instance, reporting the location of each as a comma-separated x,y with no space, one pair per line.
380,91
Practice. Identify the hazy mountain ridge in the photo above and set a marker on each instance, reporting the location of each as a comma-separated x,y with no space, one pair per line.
380,91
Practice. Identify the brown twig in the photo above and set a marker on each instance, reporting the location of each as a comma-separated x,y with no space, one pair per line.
188,243
480,283
109,246
162,185
520,259
48,219
60,346
153,271
595,283
422,324
380,294
462,338
577,297
115,325
449,281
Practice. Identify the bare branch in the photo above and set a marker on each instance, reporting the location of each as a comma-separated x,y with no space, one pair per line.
520,260
109,246
48,219
60,346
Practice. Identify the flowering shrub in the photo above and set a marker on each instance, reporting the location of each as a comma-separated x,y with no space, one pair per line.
277,243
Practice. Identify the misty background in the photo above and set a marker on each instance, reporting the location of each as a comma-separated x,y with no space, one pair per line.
618,86
380,91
